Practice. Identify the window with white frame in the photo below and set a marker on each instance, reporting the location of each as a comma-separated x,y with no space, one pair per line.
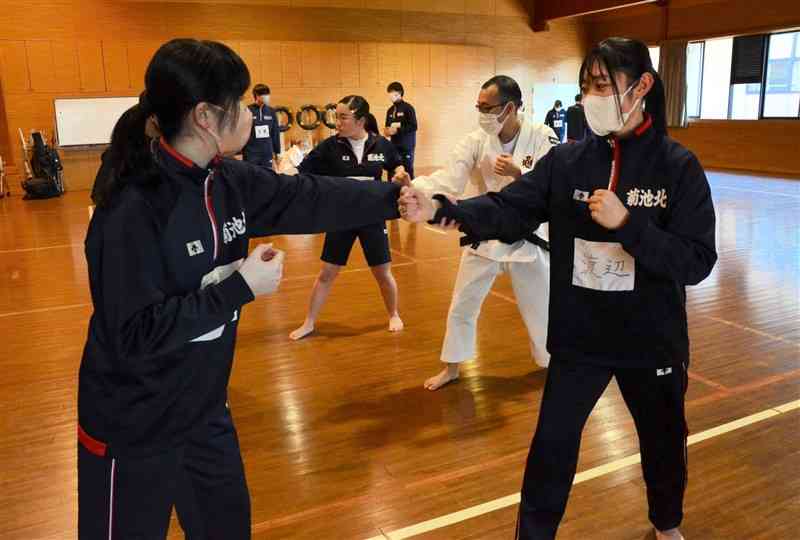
745,78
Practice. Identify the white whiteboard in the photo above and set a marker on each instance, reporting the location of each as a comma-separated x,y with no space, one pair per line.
89,120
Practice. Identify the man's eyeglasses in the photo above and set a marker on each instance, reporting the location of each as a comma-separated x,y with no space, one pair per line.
488,109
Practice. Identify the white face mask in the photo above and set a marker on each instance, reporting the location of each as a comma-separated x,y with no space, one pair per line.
490,123
603,114
265,99
394,97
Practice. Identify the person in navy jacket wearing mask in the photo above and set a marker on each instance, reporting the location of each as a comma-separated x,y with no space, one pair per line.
401,125
632,224
264,145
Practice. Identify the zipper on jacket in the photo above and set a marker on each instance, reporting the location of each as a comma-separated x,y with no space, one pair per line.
210,210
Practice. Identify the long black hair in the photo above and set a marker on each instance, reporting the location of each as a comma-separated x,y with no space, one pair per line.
631,57
181,74
371,124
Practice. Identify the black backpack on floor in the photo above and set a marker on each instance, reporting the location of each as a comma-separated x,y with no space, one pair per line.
46,179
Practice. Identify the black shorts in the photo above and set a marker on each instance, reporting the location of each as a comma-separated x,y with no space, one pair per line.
374,241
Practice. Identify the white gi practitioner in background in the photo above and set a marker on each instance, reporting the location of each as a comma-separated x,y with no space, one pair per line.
505,147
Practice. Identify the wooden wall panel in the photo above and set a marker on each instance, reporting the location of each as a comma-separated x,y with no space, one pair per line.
13,56
271,65
368,20
313,73
350,65
368,64
31,111
405,68
102,48
115,61
690,19
486,64
765,145
419,27
421,64
331,64
40,65
456,59
388,62
438,66
5,144
395,63
90,66
66,71
250,51
291,60
139,55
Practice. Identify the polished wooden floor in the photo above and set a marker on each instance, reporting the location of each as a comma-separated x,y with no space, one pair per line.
341,441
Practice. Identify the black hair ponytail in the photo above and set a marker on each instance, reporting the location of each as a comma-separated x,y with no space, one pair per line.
181,74
129,153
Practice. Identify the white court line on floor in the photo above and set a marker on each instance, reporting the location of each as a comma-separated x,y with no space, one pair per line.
23,250
589,474
43,310
308,276
401,254
753,330
504,297
713,187
709,317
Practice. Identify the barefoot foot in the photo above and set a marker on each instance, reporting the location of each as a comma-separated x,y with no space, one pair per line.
672,534
446,376
303,331
396,324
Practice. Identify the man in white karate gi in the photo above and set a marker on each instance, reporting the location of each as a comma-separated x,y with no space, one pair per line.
504,148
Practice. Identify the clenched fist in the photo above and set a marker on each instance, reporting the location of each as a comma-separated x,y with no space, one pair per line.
607,210
504,166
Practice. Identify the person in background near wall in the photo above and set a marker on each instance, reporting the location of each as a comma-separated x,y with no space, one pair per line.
576,121
265,138
556,118
401,126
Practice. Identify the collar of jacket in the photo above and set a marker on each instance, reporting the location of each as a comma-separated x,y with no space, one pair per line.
371,140
640,135
644,132
177,163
